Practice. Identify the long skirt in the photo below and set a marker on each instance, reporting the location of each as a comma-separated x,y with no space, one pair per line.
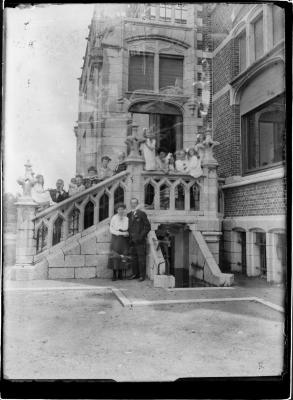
119,246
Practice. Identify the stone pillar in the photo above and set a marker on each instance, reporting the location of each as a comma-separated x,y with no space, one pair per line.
210,180
135,163
25,242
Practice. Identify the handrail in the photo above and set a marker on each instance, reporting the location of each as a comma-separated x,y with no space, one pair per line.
169,174
79,195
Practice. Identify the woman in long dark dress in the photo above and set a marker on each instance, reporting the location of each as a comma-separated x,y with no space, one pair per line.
119,242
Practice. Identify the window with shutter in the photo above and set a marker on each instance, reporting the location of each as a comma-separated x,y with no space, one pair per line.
278,24
170,71
141,72
258,38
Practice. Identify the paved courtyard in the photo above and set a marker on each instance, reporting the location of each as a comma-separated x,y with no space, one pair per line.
80,330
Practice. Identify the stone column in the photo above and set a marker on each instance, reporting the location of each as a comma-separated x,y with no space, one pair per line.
25,242
210,180
135,163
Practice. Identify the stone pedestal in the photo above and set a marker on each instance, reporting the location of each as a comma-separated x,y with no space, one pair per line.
25,241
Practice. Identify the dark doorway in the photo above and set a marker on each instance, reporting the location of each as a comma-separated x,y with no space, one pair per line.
174,237
260,241
242,240
164,119
167,133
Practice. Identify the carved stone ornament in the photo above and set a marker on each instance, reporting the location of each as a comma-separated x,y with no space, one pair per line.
28,181
209,145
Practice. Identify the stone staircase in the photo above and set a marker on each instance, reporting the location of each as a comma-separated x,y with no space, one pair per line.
71,239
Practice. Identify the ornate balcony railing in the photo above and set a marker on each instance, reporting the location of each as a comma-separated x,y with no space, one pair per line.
172,192
79,212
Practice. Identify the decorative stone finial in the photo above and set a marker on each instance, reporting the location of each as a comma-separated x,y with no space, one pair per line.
209,144
28,181
134,142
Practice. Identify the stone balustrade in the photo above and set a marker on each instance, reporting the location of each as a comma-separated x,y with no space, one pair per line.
172,192
79,212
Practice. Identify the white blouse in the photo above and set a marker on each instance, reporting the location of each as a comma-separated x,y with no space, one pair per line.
118,223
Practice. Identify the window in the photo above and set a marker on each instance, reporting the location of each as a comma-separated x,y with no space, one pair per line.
180,13
150,11
141,71
278,24
170,71
165,11
258,38
199,45
264,135
241,48
199,76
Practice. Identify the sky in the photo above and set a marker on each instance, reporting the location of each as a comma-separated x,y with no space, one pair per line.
44,49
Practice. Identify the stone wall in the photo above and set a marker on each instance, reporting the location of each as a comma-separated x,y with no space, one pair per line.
83,256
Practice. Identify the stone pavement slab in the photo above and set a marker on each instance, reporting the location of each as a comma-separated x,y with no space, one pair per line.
75,334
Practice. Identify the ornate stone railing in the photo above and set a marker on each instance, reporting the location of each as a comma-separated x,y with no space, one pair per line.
172,192
79,212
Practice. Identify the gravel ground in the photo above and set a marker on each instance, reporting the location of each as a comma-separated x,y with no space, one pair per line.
78,334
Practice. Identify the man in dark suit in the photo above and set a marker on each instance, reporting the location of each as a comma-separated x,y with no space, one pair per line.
138,228
59,193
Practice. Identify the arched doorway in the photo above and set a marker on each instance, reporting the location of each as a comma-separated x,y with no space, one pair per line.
164,119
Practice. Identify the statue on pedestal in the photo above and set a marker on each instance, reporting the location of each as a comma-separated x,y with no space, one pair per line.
28,181
209,144
134,142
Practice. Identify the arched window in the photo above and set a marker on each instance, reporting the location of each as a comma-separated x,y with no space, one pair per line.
194,198
164,197
179,197
57,230
118,196
89,215
104,207
73,226
149,195
42,234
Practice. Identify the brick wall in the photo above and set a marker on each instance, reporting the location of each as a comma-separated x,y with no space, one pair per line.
222,67
221,23
264,198
226,125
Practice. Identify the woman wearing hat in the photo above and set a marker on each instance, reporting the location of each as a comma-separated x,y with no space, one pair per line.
148,148
193,163
104,171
